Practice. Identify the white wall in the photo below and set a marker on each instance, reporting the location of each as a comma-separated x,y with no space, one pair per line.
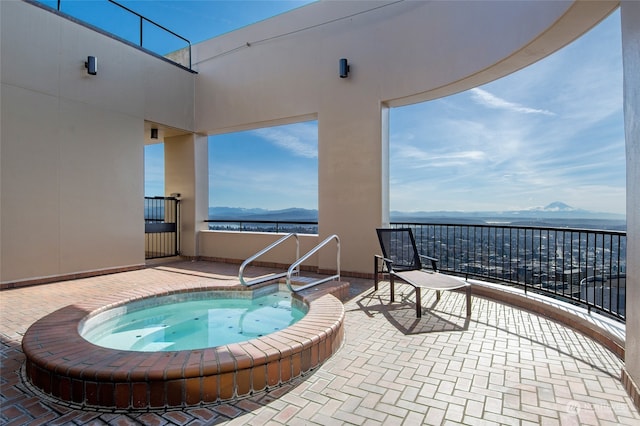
239,246
399,53
71,152
630,16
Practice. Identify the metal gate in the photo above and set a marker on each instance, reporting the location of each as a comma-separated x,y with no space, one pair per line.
161,227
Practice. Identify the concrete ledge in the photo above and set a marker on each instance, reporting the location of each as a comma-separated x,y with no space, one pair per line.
68,277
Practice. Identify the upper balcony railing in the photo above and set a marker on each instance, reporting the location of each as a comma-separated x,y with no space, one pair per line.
582,266
140,30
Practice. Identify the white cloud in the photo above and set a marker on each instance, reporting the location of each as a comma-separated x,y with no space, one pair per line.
482,150
273,186
417,158
482,97
245,169
300,139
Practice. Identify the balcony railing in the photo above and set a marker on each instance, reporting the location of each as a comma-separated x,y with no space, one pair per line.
161,227
582,266
296,226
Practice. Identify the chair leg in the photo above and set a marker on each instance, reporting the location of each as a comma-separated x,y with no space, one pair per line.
375,273
418,303
392,287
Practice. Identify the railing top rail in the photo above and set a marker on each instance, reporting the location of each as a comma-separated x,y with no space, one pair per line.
461,224
507,226
149,20
294,222
159,197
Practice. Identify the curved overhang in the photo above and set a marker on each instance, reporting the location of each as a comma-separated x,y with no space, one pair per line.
401,52
578,19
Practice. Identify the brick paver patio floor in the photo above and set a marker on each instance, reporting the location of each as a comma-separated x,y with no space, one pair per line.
504,366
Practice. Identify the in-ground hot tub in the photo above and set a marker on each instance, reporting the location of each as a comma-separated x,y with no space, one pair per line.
62,364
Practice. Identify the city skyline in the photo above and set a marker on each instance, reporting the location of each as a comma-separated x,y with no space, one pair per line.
552,131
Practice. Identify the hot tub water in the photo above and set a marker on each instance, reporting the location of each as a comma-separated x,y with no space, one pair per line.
191,321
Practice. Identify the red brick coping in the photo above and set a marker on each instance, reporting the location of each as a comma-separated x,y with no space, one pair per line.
64,365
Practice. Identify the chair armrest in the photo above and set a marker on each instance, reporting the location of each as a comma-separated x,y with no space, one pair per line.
386,261
433,260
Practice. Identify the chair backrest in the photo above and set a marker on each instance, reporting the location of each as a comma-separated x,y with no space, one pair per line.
399,245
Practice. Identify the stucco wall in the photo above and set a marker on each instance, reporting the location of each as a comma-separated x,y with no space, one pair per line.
71,148
186,173
239,246
400,52
630,15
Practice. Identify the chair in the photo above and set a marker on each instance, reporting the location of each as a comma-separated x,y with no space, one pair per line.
402,260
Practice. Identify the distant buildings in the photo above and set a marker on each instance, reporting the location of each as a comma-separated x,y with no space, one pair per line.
586,266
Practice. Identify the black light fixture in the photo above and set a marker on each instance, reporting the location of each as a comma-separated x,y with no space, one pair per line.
154,133
344,68
91,65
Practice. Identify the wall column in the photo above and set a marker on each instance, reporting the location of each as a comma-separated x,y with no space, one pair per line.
186,173
630,16
352,177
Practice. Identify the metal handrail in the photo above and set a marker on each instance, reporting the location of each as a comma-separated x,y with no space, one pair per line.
313,251
260,253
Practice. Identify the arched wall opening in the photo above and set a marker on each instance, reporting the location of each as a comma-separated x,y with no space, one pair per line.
264,171
551,132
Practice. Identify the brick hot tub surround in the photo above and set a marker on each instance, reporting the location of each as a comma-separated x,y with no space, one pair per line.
62,364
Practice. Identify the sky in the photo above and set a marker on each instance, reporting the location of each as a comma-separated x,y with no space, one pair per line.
550,132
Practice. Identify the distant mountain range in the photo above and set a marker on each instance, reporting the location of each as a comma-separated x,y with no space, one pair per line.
556,212
237,213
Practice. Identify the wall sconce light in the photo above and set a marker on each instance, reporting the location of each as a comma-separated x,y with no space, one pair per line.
154,133
91,65
344,68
